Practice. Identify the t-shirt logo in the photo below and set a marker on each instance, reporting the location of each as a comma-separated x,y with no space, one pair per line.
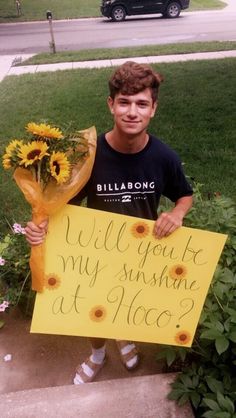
125,192
126,198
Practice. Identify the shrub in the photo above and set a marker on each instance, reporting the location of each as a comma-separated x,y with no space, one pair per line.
208,376
14,269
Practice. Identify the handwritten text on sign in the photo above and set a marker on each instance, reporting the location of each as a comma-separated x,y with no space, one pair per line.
108,276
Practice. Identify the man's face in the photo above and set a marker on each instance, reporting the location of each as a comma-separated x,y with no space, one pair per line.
132,114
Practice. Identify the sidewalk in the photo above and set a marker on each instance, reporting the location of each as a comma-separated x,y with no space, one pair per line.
6,67
37,381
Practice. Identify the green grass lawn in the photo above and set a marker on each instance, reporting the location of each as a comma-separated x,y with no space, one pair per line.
67,9
195,117
140,51
206,4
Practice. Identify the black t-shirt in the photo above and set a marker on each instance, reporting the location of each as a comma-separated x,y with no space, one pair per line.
132,184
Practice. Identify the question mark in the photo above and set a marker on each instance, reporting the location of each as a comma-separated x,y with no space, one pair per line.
184,304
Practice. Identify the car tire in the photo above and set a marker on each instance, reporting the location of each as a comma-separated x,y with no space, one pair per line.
173,10
118,14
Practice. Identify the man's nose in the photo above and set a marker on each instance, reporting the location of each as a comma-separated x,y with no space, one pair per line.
132,110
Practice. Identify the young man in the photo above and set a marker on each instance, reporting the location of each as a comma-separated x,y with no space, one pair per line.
132,170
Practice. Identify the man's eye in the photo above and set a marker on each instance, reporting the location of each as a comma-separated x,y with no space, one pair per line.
143,104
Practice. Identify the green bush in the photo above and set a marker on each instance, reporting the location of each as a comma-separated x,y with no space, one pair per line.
15,280
208,376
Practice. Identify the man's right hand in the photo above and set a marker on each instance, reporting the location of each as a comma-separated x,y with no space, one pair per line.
35,234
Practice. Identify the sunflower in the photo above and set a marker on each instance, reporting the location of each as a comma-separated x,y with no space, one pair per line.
14,146
140,229
178,271
59,167
97,313
32,152
6,161
11,157
52,281
182,337
44,130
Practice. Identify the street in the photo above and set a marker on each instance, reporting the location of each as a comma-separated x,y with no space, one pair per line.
33,37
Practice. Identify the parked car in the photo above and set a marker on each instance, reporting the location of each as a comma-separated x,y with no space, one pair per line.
117,10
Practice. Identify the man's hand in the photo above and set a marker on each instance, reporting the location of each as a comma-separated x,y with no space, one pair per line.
35,234
168,222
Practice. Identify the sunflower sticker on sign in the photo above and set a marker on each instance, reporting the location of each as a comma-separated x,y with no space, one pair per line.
108,276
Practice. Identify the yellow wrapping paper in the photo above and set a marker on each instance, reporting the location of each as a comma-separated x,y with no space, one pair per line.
52,198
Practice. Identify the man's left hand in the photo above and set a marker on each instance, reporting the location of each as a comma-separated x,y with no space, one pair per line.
167,223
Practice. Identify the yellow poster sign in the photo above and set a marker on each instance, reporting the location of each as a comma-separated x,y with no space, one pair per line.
108,276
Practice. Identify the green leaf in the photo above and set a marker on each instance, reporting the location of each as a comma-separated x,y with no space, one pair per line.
170,356
195,381
227,382
200,371
195,399
183,353
214,385
225,403
209,414
175,394
221,344
187,381
210,334
232,336
229,260
211,404
184,399
217,325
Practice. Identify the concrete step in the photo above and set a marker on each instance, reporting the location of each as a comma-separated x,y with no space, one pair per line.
135,397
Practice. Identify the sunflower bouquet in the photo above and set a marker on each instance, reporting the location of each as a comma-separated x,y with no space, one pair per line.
50,167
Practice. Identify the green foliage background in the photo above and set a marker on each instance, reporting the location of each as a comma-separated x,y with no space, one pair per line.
208,368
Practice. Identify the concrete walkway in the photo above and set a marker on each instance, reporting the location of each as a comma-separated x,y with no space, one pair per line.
7,62
37,381
136,397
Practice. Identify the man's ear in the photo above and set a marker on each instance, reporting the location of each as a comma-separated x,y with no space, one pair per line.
154,108
110,103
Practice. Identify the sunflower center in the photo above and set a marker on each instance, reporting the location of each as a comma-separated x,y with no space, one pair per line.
98,313
52,281
179,270
57,167
183,337
33,154
140,229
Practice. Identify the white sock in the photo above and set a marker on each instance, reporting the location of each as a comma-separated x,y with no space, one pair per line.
98,355
126,350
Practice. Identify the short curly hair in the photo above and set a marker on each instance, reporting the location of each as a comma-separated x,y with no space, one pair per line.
131,78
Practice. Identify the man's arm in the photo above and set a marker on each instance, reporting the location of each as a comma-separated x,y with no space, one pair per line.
168,222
